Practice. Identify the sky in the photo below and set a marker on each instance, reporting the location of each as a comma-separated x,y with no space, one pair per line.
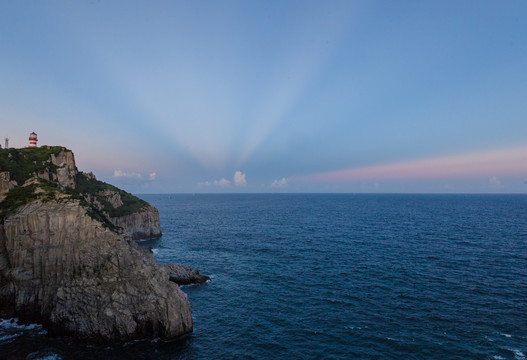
273,96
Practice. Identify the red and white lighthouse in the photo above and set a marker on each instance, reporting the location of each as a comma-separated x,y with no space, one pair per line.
33,140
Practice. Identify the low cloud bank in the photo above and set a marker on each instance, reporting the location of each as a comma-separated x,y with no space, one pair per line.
123,174
239,180
502,162
279,183
222,183
133,175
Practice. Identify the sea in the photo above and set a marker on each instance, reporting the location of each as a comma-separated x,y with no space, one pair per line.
333,276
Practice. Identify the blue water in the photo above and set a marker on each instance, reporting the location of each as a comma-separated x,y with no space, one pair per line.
336,277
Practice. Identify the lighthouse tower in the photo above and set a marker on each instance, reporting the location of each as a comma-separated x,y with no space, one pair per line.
33,140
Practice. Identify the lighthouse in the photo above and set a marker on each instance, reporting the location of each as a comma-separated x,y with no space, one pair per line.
33,140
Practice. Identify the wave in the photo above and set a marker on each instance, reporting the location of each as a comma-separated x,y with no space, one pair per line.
13,323
518,354
38,356
10,329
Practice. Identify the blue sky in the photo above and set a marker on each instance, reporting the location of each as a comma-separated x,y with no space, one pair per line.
274,96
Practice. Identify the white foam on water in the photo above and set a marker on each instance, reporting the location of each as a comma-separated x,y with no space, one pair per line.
518,354
155,251
12,324
351,327
8,338
497,357
132,342
45,357
506,335
10,329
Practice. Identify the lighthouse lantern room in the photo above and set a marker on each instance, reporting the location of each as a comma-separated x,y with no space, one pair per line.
33,140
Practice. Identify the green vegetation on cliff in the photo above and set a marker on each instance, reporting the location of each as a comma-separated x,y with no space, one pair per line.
35,168
18,197
96,189
23,163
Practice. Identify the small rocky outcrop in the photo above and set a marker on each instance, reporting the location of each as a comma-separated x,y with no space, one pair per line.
184,275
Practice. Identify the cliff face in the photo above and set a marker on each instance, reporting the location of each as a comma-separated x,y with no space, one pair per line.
66,171
60,266
141,225
5,184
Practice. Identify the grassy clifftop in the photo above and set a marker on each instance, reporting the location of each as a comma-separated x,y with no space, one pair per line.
23,163
49,173
98,191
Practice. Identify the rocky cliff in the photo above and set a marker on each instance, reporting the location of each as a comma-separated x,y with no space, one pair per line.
64,269
67,259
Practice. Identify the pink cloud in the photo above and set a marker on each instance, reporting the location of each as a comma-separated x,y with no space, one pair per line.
239,179
511,161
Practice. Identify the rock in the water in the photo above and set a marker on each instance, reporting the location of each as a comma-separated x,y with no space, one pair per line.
66,270
184,275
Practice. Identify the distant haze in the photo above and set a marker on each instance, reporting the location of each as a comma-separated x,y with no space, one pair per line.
273,96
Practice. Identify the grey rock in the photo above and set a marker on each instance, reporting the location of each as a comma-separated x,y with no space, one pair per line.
66,171
140,225
5,184
90,175
112,197
62,268
184,275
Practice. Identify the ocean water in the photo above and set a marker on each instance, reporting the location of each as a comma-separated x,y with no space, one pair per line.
334,277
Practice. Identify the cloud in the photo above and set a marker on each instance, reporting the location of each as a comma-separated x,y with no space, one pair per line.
222,183
239,179
120,173
133,175
495,183
512,161
279,183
